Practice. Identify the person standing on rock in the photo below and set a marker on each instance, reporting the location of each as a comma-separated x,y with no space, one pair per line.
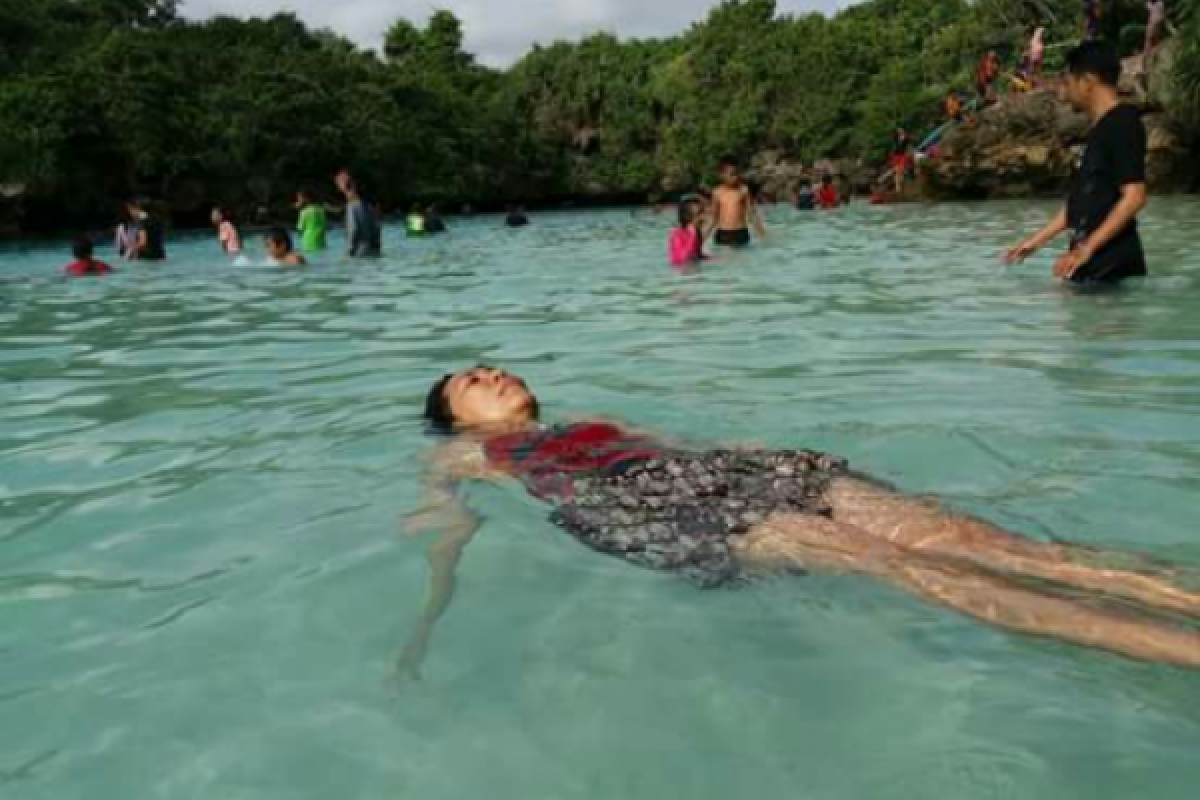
1109,188
901,158
1156,24
1037,53
985,76
1092,15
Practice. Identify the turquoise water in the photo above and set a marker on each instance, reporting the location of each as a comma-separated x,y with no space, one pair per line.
202,468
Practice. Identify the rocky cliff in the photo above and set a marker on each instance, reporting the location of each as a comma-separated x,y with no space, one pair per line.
1030,143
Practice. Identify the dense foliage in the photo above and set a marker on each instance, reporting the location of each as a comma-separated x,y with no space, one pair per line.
100,98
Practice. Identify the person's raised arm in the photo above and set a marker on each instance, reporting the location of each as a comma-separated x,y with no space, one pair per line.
1025,249
443,512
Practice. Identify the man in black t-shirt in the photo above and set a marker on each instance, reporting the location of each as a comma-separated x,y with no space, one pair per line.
1109,188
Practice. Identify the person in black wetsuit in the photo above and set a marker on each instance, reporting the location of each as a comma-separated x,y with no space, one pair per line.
434,223
718,516
150,245
516,217
1109,188
806,198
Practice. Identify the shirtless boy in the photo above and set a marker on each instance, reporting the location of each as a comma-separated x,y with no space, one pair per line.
735,209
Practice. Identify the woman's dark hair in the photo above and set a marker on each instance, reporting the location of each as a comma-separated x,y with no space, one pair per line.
82,248
438,415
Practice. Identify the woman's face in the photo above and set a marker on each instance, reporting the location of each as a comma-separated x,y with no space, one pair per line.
484,397
275,250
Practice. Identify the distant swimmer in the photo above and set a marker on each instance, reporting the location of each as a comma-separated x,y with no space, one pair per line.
279,249
126,238
516,217
806,198
434,224
901,158
85,262
414,223
827,196
150,244
363,234
312,224
227,232
686,244
1109,188
735,209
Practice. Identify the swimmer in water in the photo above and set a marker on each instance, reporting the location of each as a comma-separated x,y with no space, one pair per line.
717,517
227,232
126,238
827,196
434,223
279,249
414,223
364,237
686,245
312,223
806,198
150,242
735,209
516,217
85,262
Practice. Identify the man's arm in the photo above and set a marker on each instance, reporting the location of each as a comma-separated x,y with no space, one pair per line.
1025,249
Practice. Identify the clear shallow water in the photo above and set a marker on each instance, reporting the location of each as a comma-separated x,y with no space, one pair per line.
202,468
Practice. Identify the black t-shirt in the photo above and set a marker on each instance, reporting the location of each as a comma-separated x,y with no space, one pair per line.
1114,157
154,249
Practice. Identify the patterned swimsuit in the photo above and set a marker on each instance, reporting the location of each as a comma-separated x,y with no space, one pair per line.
665,509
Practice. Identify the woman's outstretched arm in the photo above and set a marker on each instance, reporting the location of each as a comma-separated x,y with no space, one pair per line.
445,513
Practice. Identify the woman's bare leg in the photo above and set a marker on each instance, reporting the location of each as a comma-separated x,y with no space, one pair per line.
924,527
818,543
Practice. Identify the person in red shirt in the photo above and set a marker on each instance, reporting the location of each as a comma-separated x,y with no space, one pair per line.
84,263
827,195
985,77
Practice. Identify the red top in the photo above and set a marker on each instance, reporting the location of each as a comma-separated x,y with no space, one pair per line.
546,460
827,197
92,267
